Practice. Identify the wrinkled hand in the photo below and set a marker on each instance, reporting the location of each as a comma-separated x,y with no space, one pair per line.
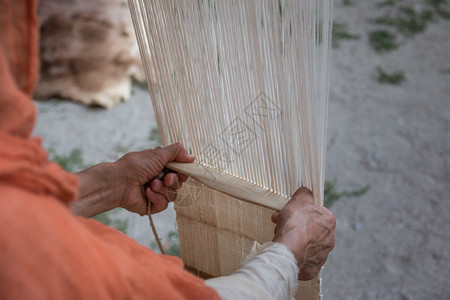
307,230
136,169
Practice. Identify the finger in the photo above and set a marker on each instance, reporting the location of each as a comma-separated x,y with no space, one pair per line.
303,195
171,180
159,187
182,177
175,152
158,201
274,217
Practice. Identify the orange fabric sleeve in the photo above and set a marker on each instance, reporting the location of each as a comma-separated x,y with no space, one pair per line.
45,252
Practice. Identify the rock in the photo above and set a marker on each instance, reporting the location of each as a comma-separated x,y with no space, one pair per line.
88,51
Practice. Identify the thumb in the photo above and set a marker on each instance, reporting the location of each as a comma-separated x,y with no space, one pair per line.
302,196
175,152
274,217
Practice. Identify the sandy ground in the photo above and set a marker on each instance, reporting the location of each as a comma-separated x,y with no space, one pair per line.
394,241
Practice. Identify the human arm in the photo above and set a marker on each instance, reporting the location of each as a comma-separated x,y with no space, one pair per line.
124,183
304,236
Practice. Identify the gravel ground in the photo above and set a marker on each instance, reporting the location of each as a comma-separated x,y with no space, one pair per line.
391,243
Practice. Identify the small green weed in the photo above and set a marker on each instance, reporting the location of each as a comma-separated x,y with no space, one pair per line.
386,3
407,21
331,194
437,5
119,224
348,2
394,78
445,71
383,40
171,245
71,163
340,33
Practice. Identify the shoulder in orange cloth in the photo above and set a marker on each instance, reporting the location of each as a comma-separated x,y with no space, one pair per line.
47,253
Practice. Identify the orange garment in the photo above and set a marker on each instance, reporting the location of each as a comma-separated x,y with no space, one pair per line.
45,252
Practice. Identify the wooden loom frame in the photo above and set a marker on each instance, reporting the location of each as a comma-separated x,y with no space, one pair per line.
242,190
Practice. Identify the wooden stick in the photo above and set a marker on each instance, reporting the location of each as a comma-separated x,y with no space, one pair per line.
231,185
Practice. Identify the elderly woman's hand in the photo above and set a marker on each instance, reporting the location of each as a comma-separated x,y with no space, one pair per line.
137,171
130,182
307,230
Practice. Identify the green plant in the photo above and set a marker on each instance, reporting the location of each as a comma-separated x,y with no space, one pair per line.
383,40
340,33
386,3
71,163
171,245
439,10
119,224
407,21
394,78
347,2
331,194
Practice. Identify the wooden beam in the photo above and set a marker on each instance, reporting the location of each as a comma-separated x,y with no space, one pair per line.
231,185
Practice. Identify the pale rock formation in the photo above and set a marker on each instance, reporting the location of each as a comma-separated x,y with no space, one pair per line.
88,51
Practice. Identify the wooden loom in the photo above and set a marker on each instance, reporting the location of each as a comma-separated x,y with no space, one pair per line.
244,86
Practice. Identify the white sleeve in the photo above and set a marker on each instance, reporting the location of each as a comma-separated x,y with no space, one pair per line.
270,272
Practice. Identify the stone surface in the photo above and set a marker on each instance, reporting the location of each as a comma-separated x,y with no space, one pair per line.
88,51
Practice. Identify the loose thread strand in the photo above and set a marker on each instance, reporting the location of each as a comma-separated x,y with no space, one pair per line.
152,225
